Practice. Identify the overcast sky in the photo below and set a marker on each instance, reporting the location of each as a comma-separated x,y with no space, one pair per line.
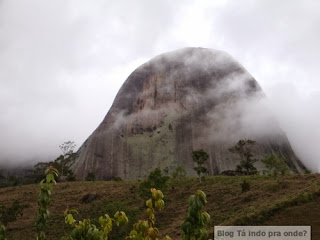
63,61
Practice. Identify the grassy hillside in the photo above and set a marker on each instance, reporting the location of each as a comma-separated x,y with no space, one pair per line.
270,201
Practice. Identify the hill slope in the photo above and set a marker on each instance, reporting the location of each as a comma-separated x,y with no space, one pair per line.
285,197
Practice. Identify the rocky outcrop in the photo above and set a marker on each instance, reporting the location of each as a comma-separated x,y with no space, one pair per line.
178,102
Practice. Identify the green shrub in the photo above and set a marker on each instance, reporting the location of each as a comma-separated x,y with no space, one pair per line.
117,179
307,171
44,201
274,187
145,229
91,176
276,164
154,180
194,226
70,176
142,230
304,197
179,173
2,233
245,186
133,189
10,214
105,206
86,230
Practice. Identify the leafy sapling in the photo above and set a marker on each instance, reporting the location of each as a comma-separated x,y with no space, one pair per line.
86,230
194,226
44,201
145,229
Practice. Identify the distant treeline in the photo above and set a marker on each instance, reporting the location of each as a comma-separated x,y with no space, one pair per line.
6,172
16,176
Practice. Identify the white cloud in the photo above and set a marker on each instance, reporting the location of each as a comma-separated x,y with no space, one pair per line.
62,62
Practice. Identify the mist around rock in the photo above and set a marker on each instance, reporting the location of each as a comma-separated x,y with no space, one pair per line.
187,99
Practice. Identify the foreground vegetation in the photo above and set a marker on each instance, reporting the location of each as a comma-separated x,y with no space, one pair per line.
227,203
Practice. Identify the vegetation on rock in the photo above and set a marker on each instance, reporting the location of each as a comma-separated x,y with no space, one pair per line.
179,173
91,176
276,164
244,150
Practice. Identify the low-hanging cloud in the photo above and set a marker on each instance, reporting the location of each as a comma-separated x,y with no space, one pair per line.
62,62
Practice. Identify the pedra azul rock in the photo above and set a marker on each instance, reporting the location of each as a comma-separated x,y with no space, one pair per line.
177,102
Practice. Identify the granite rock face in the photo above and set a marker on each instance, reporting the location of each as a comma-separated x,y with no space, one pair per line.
177,102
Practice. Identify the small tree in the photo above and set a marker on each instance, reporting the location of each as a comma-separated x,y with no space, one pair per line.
67,158
243,149
179,173
61,163
194,226
145,229
200,157
155,180
276,164
44,200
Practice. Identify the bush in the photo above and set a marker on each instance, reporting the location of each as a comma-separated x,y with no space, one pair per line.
155,180
276,164
274,187
245,186
2,233
307,171
86,230
10,214
194,226
179,173
91,176
89,197
145,229
111,207
70,176
117,179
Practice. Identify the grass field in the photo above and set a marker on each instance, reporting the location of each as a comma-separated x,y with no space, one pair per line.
289,200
